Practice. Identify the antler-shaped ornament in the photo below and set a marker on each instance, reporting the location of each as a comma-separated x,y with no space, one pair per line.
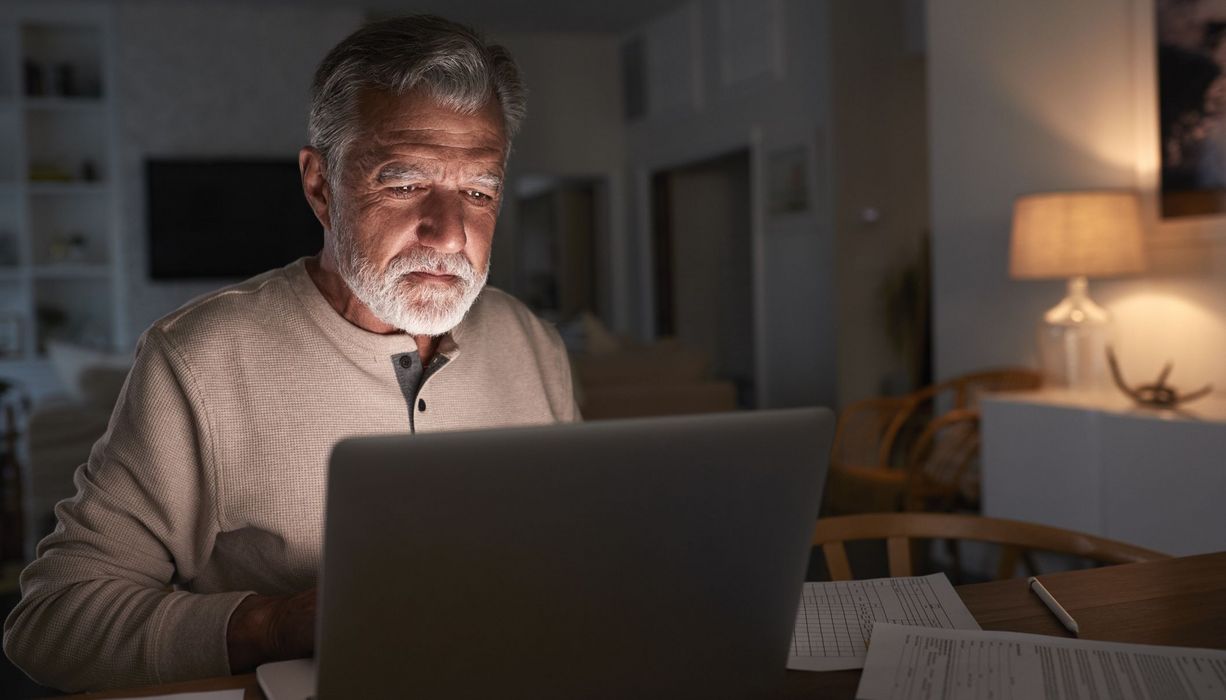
1158,394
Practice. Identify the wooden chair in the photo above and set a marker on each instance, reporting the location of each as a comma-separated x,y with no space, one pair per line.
862,474
943,436
943,465
918,451
899,529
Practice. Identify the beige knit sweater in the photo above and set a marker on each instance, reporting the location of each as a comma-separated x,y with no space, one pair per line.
209,483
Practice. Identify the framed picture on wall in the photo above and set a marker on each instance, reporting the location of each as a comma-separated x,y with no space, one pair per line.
1191,77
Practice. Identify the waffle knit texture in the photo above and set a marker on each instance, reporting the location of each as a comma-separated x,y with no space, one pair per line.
209,482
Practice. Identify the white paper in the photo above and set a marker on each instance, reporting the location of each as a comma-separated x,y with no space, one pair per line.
835,618
234,694
908,663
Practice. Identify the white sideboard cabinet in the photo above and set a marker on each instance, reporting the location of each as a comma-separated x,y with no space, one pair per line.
1099,464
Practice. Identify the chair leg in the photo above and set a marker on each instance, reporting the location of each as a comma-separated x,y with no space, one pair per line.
955,555
1008,562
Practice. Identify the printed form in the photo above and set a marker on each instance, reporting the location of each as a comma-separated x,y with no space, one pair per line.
906,663
836,618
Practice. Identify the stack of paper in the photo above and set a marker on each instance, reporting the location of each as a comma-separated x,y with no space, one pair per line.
836,618
908,663
915,640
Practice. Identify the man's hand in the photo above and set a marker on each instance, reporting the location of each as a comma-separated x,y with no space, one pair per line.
271,628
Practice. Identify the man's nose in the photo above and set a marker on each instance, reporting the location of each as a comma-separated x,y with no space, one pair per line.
441,226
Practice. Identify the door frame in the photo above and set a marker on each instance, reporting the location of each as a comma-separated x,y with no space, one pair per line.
646,209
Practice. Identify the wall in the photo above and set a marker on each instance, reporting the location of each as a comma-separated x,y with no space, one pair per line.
764,88
574,103
208,79
880,156
573,129
1040,95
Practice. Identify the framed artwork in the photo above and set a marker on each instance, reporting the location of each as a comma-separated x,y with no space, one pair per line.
1191,77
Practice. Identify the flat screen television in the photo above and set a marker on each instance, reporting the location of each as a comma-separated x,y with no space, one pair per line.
229,218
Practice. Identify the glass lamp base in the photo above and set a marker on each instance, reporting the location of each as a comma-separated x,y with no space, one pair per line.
1075,357
1073,340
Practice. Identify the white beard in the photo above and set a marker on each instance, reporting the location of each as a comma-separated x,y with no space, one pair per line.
417,308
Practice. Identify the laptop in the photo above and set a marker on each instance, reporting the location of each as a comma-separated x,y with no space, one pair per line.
644,558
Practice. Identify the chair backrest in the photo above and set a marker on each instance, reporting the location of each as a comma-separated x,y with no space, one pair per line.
892,452
942,464
898,529
867,430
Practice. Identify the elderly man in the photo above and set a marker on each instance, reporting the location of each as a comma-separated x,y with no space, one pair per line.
192,545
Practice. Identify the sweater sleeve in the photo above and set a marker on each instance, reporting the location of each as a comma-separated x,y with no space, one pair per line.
99,605
562,381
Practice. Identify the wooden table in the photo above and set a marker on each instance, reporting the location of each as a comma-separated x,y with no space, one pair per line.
1179,602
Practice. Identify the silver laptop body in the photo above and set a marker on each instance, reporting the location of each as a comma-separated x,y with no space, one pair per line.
659,558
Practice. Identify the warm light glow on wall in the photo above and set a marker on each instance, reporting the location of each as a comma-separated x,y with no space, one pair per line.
1156,325
1100,135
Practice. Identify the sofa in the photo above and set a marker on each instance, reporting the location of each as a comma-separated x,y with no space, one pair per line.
62,431
656,379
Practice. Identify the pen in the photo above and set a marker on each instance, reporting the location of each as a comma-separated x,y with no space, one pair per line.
1054,606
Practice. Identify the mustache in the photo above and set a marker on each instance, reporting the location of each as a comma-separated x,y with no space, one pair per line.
422,259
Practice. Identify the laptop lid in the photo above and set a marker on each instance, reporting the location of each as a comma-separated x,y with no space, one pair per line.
637,558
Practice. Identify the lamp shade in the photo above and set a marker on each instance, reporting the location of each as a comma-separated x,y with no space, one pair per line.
1074,234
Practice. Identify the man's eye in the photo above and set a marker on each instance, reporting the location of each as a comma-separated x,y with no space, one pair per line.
404,190
478,196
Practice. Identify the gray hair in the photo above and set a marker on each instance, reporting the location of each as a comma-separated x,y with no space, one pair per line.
450,61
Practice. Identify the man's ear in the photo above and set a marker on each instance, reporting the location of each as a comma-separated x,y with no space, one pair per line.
314,184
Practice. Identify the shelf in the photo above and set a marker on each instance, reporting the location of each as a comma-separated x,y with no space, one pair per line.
66,188
57,114
63,104
67,271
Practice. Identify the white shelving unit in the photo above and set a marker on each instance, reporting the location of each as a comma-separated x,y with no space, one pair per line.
59,242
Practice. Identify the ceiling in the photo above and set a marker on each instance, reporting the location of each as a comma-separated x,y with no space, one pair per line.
603,16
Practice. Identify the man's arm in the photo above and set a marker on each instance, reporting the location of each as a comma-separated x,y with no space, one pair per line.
98,609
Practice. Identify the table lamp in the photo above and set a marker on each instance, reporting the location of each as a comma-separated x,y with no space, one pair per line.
1076,235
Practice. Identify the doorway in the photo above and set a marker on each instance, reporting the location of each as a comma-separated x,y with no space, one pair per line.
560,240
703,252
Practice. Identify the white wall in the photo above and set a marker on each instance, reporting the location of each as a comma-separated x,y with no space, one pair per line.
574,122
1040,95
208,79
700,108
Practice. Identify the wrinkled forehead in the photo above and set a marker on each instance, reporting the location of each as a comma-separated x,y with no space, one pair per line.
417,118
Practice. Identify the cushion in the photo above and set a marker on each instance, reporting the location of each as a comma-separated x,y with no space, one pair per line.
71,361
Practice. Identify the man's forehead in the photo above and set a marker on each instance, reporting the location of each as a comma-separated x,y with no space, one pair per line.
416,131
417,113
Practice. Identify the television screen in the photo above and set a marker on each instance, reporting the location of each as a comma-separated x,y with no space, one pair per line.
226,218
